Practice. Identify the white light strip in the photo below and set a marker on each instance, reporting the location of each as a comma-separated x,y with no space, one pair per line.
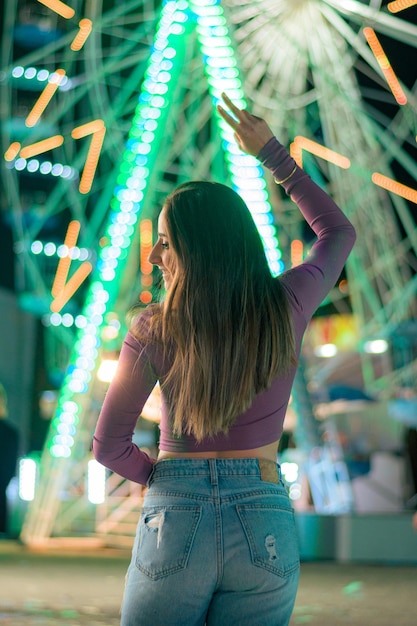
223,76
96,482
27,479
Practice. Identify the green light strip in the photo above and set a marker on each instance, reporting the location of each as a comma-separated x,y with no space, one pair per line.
223,76
164,68
141,153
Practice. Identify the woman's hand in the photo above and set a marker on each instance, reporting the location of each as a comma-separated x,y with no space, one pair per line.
251,132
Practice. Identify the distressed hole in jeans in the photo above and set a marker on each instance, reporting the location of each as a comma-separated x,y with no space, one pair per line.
270,546
155,522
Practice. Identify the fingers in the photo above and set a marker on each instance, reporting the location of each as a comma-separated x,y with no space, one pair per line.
235,110
240,114
228,118
251,132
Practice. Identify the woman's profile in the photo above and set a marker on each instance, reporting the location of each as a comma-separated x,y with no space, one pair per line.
216,542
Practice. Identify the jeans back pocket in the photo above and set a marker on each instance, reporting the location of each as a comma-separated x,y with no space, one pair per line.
166,536
272,538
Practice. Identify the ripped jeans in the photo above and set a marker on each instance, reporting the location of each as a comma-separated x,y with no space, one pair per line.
216,544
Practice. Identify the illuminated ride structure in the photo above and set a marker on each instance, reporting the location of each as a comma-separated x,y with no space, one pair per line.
112,105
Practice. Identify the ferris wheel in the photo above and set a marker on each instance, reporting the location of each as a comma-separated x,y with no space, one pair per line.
111,149
320,72
316,69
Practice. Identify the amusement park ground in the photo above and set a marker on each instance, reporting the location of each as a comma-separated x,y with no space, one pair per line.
84,589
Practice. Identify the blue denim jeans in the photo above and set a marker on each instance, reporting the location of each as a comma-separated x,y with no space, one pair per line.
216,544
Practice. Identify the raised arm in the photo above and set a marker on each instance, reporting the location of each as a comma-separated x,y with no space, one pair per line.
310,282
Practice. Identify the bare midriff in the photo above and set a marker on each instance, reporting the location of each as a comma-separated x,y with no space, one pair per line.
264,452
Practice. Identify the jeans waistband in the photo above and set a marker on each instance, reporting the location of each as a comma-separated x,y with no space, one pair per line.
265,469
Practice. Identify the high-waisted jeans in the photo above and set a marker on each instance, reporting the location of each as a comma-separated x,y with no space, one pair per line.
216,544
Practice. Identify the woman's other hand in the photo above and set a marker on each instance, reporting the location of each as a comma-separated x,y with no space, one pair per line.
251,132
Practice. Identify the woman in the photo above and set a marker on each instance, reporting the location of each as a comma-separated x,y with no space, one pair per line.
216,541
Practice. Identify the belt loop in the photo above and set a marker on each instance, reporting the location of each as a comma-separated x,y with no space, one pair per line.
213,472
269,471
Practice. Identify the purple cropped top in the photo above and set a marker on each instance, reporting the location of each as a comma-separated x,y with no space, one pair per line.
140,366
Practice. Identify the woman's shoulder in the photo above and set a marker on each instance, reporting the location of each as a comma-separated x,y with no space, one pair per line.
143,322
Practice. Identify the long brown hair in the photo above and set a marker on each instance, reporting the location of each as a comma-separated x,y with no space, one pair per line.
226,317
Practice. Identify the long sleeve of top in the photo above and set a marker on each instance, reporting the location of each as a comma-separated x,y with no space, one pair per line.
132,384
310,282
143,363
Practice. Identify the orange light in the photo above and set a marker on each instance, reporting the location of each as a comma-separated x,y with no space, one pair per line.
65,262
297,249
145,231
98,130
91,161
344,286
400,5
59,7
87,129
12,151
385,65
302,143
146,280
296,153
71,286
45,97
41,146
81,37
392,185
145,297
